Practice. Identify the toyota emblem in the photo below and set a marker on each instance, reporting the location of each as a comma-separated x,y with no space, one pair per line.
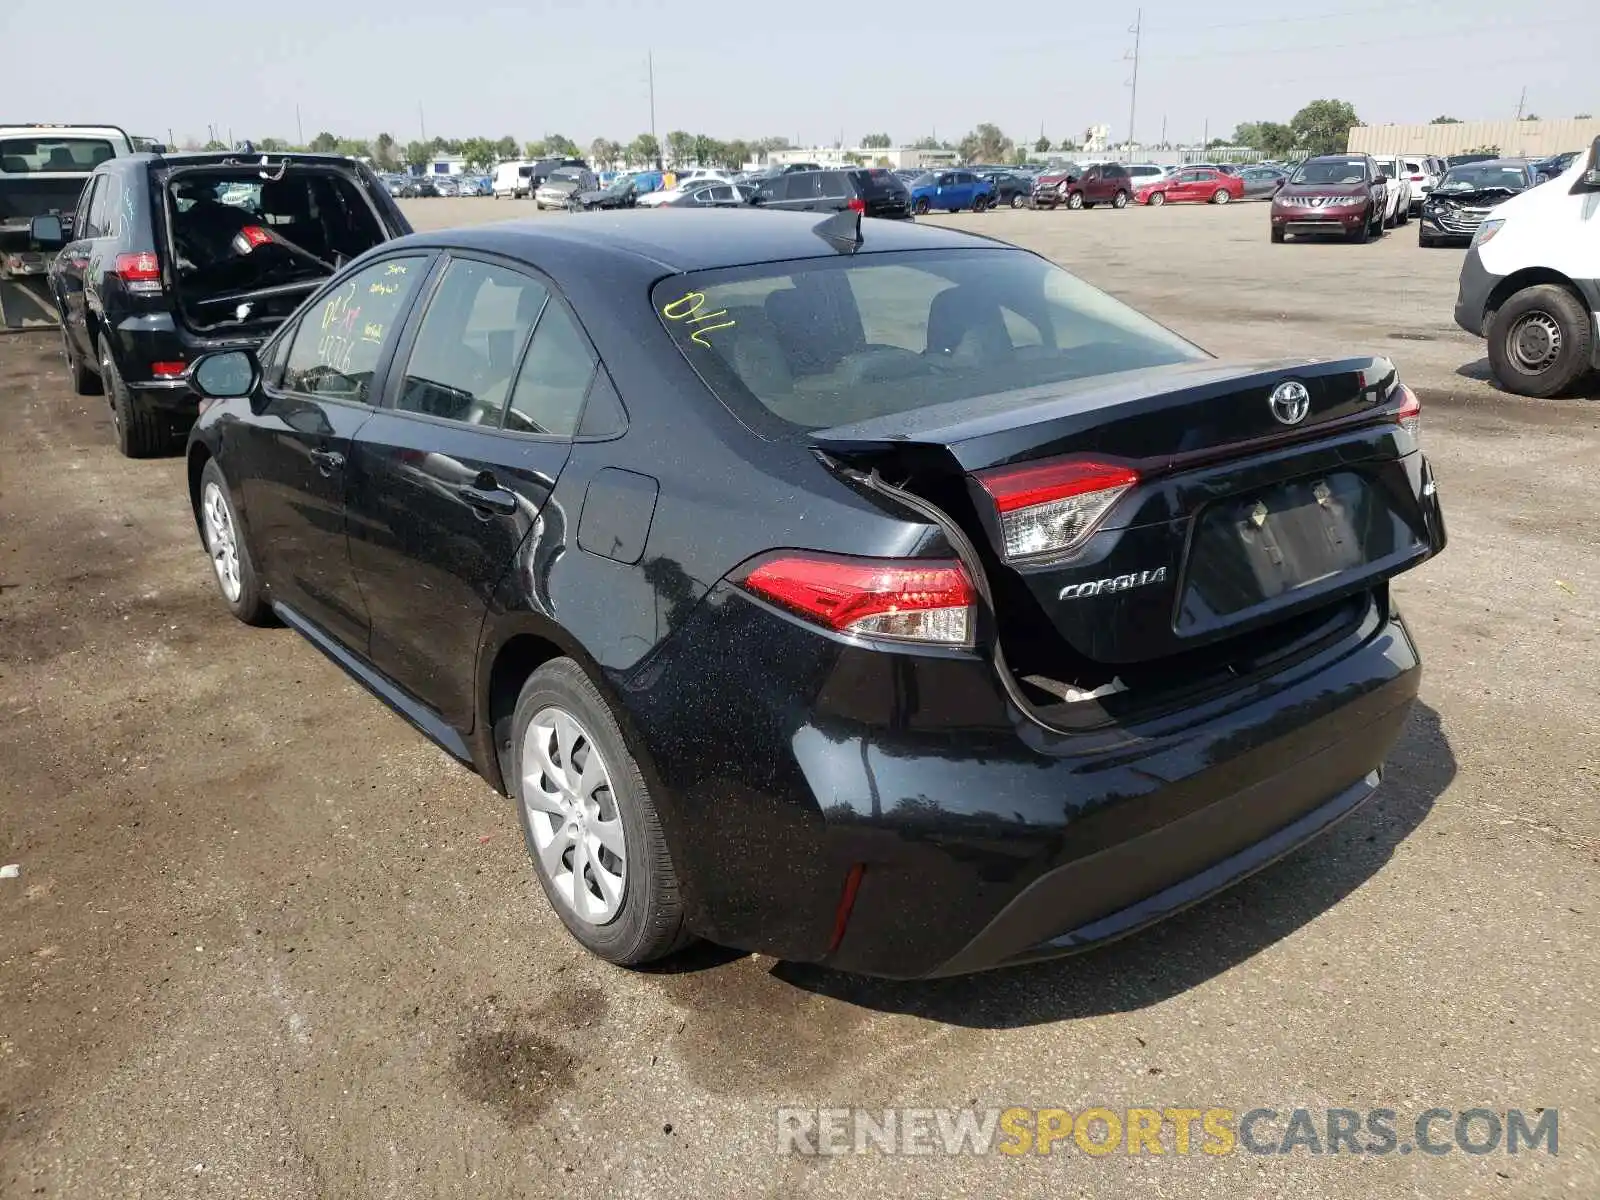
1290,402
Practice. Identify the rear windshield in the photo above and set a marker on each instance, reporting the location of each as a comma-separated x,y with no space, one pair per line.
879,182
831,341
24,156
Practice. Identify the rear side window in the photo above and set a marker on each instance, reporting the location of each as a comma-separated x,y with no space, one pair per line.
806,185
341,337
832,341
833,185
554,378
466,351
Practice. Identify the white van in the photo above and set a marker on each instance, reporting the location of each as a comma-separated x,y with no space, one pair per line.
1530,284
511,179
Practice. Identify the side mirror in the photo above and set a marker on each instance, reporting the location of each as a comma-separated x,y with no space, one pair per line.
46,232
1381,180
225,374
1592,175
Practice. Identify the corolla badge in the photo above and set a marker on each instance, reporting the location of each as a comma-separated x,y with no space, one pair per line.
1290,402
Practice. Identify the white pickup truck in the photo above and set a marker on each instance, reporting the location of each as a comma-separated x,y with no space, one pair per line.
42,170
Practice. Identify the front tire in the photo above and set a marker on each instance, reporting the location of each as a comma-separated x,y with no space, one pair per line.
140,432
1539,341
1120,200
225,545
589,821
1017,201
921,207
1075,201
1277,235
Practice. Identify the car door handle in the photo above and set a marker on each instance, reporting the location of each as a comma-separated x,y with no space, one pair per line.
328,461
488,497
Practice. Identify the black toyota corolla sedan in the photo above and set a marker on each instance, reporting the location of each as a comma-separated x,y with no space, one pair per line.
850,591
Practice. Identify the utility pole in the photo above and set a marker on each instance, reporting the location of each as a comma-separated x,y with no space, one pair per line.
1521,100
300,131
1133,94
422,121
1163,131
650,68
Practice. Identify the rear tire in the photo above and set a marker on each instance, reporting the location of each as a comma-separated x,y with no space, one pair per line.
1120,200
1402,214
563,806
1017,201
920,207
1539,341
223,537
140,432
980,203
1220,196
84,381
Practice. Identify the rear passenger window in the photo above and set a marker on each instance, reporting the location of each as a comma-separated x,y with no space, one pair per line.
554,378
833,185
339,341
466,351
89,208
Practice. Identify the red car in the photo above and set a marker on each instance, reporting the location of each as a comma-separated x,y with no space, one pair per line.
1202,185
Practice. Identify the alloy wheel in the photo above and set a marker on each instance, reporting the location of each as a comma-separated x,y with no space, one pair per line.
1534,342
222,541
572,811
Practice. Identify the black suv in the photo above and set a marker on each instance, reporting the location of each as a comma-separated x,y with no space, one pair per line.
170,256
870,191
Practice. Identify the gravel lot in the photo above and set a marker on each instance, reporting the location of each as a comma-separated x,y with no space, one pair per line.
266,941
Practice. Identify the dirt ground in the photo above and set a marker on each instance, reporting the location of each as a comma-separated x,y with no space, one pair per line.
267,942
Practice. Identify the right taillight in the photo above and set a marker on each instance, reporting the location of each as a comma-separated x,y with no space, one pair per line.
139,272
1409,415
857,205
1051,508
907,600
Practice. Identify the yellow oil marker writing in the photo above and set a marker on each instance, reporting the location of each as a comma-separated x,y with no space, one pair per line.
687,308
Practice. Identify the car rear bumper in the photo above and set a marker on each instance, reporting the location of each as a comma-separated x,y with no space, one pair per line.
965,836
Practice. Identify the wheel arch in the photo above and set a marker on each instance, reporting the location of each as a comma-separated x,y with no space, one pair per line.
1526,278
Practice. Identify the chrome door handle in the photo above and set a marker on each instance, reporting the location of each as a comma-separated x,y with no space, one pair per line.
328,461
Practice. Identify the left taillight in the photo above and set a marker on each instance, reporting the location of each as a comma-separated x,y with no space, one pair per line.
139,272
907,600
1409,415
1052,508
857,205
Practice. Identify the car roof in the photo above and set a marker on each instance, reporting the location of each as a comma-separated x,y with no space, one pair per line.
686,240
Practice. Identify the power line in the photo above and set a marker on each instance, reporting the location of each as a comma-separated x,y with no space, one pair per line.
1390,40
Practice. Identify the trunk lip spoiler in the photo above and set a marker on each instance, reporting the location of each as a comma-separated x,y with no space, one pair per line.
964,426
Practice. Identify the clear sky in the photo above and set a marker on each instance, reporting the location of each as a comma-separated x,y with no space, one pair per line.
806,71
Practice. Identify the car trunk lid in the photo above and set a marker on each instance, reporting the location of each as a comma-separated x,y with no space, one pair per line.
1249,494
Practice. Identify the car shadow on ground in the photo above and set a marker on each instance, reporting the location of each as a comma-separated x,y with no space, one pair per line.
1586,388
1186,950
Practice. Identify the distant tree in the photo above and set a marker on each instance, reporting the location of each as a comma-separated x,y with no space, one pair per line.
324,143
1067,145
214,144
1495,150
854,159
480,153
680,146
1019,155
768,144
985,144
384,152
1533,117
558,145
1323,126
876,141
506,148
926,143
536,149
602,153
418,154
736,153
1215,142
645,150
1582,117
707,150
355,148
1444,121
1269,137
272,145
446,145
1041,145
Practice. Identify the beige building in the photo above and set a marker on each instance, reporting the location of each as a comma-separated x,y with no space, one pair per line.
1530,139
